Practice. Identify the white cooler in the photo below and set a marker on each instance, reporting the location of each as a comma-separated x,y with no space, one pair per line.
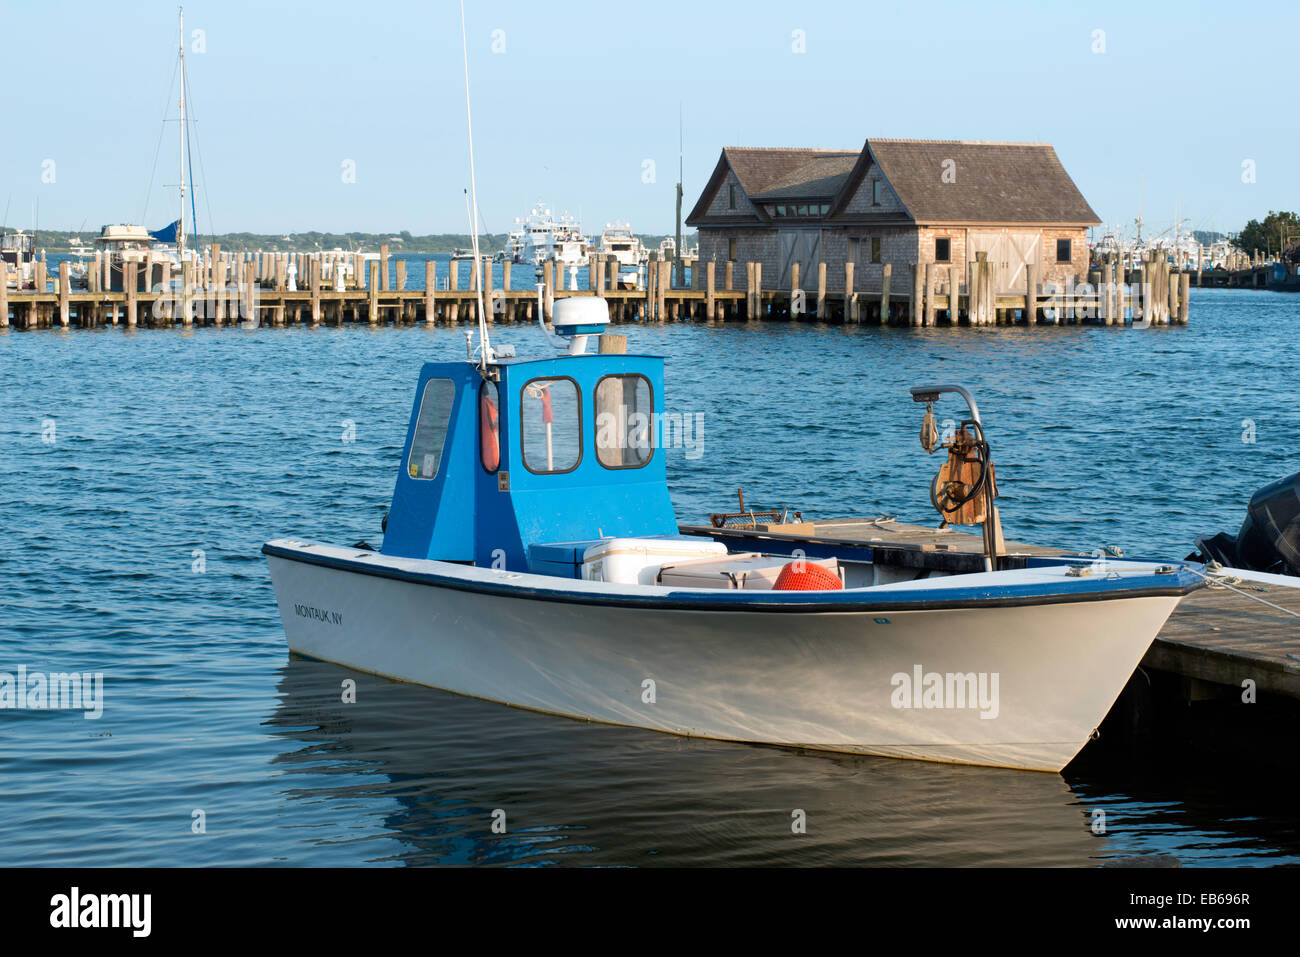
633,561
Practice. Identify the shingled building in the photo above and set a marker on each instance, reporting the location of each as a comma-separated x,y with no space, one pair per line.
901,202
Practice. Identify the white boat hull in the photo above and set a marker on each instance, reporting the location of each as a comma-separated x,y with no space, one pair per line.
825,680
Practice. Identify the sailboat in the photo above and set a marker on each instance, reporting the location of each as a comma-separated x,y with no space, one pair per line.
160,255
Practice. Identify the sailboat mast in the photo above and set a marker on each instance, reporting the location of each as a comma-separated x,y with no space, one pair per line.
180,229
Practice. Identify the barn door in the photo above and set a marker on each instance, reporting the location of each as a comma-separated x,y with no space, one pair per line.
1011,250
802,246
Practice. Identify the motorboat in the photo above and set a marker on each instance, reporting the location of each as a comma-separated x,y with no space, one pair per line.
619,243
153,252
531,556
18,259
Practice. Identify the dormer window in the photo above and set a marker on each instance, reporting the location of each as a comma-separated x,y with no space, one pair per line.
876,192
731,196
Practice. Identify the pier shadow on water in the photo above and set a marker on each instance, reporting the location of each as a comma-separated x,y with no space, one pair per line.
411,775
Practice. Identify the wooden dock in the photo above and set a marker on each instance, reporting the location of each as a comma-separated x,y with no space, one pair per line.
253,289
1215,640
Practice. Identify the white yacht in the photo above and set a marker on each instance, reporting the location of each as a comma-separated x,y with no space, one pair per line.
540,237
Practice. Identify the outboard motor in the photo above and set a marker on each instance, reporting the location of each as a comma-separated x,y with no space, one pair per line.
1269,539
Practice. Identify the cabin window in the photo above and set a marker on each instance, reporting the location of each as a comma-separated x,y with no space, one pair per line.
875,192
624,421
731,196
489,425
942,249
551,426
1063,250
431,429
875,249
731,249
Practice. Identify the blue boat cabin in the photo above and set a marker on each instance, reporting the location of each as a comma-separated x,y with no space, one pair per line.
534,459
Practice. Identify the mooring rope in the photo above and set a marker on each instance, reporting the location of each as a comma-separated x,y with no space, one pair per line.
1223,581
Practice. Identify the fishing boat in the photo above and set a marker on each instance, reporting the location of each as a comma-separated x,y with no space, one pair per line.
531,556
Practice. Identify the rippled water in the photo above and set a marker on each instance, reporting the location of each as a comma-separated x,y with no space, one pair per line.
144,470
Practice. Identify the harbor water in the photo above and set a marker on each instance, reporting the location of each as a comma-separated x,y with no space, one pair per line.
144,470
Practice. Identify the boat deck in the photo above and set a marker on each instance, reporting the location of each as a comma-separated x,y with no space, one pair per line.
1215,635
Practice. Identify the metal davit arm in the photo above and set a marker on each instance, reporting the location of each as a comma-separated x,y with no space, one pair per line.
931,393
994,545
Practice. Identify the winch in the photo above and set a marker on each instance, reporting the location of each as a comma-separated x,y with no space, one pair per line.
965,487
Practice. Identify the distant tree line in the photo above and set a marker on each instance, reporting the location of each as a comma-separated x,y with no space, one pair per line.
397,243
1277,233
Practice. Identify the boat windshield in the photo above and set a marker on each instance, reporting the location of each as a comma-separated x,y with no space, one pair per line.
431,428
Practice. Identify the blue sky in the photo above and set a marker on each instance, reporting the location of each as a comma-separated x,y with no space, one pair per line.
583,94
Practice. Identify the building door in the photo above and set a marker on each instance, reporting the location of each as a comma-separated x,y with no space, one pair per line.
1012,249
802,246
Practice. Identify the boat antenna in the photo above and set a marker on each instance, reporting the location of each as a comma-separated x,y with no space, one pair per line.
5,224
485,350
677,247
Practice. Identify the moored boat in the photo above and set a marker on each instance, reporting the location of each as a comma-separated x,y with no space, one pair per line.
531,556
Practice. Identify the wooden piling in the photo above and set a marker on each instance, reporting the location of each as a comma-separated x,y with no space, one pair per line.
758,290
219,291
430,284
1185,288
65,291
850,296
548,288
887,272
313,277
665,273
131,281
931,287
821,292
794,290
383,267
710,301
4,296
1031,291
375,274
918,295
